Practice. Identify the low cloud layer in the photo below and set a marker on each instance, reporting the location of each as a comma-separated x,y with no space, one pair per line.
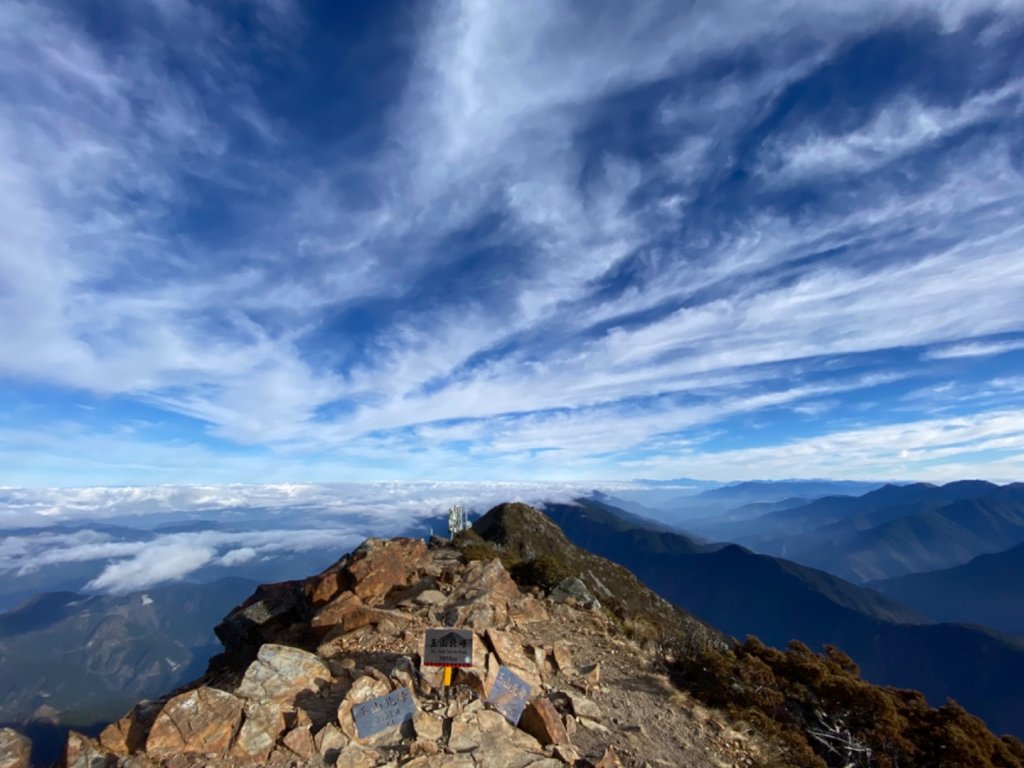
119,529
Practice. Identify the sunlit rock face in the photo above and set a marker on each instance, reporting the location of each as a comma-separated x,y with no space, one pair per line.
304,661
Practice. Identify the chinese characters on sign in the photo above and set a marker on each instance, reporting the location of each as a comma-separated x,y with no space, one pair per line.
509,694
383,712
448,648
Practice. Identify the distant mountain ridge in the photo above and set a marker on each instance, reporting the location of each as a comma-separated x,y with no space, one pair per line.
892,531
744,593
988,590
679,509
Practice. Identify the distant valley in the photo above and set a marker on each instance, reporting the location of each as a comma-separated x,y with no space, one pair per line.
79,658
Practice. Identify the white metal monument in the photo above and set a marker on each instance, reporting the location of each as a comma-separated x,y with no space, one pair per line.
457,519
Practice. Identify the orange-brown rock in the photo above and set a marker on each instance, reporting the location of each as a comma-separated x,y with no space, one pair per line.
563,656
379,566
83,752
327,586
511,654
204,720
114,738
300,741
347,611
610,759
482,598
128,735
541,720
15,749
329,741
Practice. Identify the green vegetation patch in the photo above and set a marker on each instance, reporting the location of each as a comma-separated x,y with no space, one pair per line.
544,571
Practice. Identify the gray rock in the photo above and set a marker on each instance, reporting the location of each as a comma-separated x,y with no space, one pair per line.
584,707
431,597
280,673
574,589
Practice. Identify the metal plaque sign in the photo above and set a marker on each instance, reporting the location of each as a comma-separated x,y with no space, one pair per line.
509,694
383,712
448,648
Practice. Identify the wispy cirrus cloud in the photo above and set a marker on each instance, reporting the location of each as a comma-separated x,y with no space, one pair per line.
975,349
499,234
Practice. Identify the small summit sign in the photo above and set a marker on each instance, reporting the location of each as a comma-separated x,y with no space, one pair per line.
383,712
509,694
448,648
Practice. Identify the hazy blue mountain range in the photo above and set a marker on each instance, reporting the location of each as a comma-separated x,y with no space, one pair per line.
721,526
760,491
678,508
742,593
988,590
890,532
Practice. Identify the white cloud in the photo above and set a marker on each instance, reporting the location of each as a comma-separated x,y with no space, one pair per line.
237,556
900,128
974,349
490,119
158,564
939,450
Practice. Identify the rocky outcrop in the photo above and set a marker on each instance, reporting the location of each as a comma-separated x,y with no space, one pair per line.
15,749
304,661
281,673
203,721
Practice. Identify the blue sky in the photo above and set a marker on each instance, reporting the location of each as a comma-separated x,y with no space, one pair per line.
273,241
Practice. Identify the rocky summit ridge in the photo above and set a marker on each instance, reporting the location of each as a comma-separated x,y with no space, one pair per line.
613,675
299,656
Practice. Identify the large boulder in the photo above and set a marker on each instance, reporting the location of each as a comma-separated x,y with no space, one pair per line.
572,588
493,741
482,598
281,673
541,720
128,735
15,749
378,566
347,613
204,721
267,615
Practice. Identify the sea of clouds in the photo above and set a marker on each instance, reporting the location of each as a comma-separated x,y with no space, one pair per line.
122,529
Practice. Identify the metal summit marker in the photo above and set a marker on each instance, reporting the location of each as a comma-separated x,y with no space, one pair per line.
509,694
448,648
383,712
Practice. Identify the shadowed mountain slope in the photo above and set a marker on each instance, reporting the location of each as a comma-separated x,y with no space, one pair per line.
744,593
988,590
